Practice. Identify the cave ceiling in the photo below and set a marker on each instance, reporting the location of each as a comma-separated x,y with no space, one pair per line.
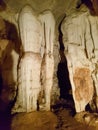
59,8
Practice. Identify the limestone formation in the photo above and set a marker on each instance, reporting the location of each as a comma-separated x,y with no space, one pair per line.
28,82
48,23
38,49
37,35
30,30
83,87
81,49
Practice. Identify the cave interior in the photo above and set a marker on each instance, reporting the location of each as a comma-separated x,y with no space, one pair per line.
64,95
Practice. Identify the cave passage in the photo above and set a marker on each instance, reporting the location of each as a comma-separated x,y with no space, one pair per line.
63,80
62,72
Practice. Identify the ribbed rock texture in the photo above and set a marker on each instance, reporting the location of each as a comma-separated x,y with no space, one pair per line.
80,37
36,67
37,45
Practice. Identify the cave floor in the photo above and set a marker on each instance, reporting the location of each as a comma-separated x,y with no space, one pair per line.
60,118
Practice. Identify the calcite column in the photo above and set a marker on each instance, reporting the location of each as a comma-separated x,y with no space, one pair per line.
48,22
30,63
80,40
80,77
28,82
37,35
83,88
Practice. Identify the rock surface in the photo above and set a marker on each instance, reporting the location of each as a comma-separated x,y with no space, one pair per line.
80,39
60,119
34,121
34,76
79,30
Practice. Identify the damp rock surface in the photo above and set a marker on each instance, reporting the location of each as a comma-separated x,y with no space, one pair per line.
34,121
61,118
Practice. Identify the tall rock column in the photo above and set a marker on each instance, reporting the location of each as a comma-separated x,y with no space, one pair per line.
48,23
79,31
37,35
30,63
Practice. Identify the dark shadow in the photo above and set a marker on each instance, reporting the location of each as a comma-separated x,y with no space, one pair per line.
1,81
66,98
12,35
5,121
89,5
62,73
2,5
63,79
7,83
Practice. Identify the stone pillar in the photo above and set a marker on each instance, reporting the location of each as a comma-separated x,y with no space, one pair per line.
28,82
30,30
37,35
80,47
48,22
30,63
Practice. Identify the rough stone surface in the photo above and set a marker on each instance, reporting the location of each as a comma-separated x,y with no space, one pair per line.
83,87
60,119
79,35
30,30
34,121
29,84
90,119
8,64
34,75
80,39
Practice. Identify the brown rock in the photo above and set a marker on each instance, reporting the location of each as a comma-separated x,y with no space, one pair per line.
83,84
34,121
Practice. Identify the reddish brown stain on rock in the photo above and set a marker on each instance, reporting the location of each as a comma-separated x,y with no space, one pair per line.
95,6
83,84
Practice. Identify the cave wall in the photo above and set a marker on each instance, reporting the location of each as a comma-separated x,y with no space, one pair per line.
79,29
80,37
9,56
19,49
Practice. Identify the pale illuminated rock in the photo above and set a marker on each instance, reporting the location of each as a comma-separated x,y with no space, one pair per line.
30,30
28,82
76,60
37,35
80,40
48,23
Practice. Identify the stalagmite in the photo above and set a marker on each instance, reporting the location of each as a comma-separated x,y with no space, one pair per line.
30,30
79,44
48,23
28,82
37,35
29,67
